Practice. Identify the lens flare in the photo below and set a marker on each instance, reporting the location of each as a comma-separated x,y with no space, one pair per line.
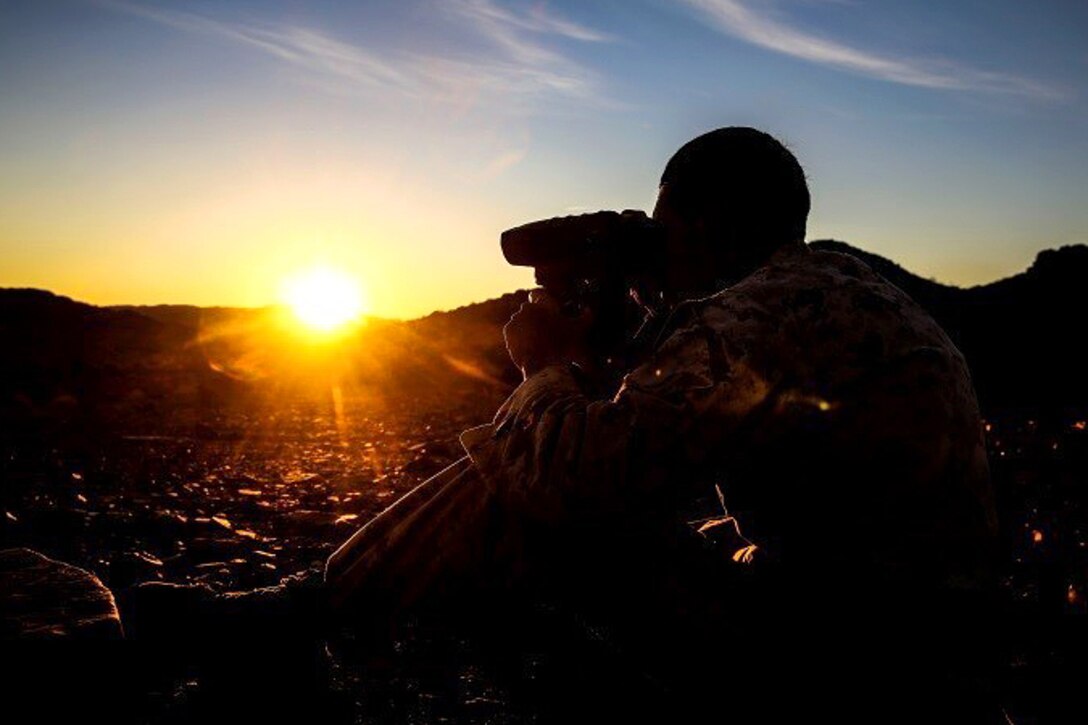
324,298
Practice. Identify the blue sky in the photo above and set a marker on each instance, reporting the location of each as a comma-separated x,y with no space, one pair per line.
201,151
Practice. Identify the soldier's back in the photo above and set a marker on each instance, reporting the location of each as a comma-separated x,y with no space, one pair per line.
859,468
867,448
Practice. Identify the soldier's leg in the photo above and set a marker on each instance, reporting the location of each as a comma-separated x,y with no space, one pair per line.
444,536
429,540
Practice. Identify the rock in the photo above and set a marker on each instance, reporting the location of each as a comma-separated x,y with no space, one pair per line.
45,599
129,567
164,611
306,522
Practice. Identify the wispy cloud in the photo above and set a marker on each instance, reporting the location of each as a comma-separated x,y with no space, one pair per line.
761,26
303,47
519,41
535,19
513,60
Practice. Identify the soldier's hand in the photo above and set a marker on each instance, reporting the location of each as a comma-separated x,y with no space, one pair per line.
539,334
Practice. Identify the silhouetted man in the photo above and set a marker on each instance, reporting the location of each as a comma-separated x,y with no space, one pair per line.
835,416
793,398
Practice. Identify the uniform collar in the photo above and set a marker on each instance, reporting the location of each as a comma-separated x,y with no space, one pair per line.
656,327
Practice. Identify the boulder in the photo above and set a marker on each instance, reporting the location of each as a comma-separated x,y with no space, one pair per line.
41,598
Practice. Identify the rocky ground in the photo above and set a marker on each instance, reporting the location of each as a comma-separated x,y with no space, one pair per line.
235,503
239,501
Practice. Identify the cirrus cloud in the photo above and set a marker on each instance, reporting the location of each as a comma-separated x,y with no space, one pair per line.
514,58
764,28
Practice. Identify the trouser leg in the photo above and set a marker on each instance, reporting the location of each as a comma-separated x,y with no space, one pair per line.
439,539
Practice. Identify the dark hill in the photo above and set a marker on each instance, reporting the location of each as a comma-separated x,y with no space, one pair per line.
1021,335
61,359
190,317
925,292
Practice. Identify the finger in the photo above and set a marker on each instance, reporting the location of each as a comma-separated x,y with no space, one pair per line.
542,298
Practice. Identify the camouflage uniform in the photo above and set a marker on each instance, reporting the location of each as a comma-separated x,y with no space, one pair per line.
835,418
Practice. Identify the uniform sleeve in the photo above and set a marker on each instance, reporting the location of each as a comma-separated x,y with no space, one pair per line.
554,452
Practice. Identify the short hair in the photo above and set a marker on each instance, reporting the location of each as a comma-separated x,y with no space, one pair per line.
746,175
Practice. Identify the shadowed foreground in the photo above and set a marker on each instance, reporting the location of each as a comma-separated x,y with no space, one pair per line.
159,508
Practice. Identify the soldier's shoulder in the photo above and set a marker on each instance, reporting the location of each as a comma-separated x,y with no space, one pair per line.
810,282
820,266
811,287
795,278
778,286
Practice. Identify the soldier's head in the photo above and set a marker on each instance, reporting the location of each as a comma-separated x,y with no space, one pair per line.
729,199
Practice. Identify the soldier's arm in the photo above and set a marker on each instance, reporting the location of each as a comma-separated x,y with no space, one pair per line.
554,452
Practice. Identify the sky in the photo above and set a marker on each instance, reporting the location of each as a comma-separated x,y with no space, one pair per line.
201,152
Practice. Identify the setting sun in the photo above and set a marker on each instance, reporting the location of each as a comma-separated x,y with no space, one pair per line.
324,298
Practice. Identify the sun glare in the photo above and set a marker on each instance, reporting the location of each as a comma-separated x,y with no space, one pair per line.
324,298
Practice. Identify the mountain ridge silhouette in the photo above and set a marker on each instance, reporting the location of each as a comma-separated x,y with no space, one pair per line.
1019,335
